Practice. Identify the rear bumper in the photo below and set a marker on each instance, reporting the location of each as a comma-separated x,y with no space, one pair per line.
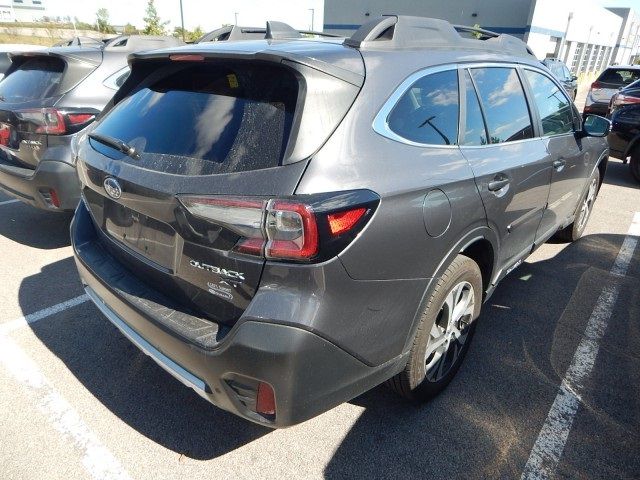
308,373
34,186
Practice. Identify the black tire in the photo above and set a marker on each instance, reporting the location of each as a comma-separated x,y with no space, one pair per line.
417,382
573,232
634,164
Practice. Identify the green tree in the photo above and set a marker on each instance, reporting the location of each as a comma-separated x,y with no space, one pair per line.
189,35
153,25
102,21
130,29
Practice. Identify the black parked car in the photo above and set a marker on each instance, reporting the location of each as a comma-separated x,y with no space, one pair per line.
285,223
561,71
46,97
624,139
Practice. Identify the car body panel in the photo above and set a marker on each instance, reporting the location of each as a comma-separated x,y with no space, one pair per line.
360,306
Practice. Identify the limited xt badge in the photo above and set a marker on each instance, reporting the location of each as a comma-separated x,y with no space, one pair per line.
223,272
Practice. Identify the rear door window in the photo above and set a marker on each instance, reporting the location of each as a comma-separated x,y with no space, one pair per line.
427,113
619,76
35,79
206,118
553,106
504,103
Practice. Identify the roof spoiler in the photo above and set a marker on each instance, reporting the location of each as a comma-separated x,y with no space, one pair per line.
398,31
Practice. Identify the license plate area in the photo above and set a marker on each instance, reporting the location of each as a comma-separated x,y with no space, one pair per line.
144,235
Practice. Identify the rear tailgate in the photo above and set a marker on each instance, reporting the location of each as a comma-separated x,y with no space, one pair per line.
33,84
201,128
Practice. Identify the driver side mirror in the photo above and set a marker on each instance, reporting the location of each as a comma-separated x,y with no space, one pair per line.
574,78
595,126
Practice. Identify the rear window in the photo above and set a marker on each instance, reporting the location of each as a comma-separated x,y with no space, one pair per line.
201,119
35,79
619,76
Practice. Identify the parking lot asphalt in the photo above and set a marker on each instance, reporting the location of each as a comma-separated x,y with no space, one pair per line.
78,400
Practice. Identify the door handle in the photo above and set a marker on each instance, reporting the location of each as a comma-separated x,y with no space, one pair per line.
559,164
498,183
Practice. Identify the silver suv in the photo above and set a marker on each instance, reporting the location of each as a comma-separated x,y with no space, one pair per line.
284,223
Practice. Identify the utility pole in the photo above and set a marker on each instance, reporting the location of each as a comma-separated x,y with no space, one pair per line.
313,12
182,21
236,15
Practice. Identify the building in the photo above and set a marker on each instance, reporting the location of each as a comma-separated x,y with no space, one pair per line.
626,51
22,10
579,32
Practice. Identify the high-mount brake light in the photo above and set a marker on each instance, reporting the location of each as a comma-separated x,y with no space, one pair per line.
341,222
188,57
283,229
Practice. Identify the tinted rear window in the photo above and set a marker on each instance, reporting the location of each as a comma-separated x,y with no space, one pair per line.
207,118
36,78
428,112
619,76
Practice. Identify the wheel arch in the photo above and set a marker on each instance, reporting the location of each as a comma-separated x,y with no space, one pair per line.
481,244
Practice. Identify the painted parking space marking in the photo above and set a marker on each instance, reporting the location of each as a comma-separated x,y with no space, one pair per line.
96,459
7,202
549,445
18,323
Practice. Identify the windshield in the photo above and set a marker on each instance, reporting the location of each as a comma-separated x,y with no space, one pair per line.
206,118
35,79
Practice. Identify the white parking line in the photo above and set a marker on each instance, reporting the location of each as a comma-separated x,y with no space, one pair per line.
7,202
551,440
96,459
12,325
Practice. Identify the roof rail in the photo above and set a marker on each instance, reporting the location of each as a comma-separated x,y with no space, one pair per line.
278,30
398,31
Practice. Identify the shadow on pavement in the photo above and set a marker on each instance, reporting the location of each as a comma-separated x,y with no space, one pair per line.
35,228
130,384
482,426
619,174
485,423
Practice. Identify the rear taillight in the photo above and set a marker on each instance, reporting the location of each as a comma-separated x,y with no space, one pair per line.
621,99
287,229
596,85
51,121
291,229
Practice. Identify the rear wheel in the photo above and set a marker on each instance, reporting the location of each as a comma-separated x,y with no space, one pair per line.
446,327
634,164
573,232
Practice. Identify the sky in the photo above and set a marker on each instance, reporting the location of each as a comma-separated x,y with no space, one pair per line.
208,14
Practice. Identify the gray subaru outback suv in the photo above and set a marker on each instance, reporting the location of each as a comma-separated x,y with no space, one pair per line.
283,224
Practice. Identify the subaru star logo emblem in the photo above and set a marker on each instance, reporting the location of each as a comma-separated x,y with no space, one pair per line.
112,187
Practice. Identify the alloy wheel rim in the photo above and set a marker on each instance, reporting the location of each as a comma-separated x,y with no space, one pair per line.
450,331
587,204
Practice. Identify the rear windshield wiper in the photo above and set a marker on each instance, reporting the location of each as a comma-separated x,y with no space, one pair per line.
115,144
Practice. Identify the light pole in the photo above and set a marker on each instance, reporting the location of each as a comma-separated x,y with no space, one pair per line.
236,15
182,21
313,12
